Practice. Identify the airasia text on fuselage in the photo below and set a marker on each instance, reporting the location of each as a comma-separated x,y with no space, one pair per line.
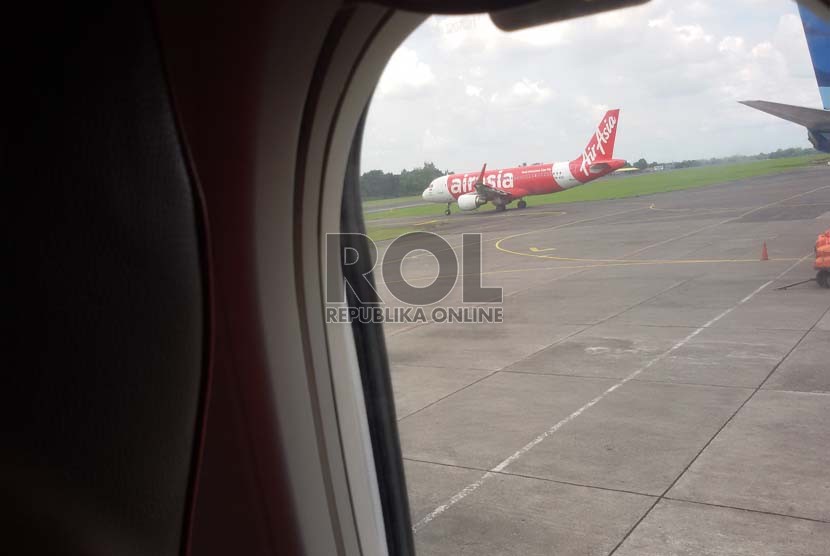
465,184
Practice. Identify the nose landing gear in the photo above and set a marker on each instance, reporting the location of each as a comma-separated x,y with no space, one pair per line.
448,212
521,204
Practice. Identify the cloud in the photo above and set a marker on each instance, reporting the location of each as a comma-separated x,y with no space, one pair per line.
465,32
473,91
690,34
543,36
479,34
731,44
404,74
789,40
459,91
592,110
523,93
613,20
763,50
698,8
433,142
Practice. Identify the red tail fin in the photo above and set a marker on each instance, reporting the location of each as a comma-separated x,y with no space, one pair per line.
601,145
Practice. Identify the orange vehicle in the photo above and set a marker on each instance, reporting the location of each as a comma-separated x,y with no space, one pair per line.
823,259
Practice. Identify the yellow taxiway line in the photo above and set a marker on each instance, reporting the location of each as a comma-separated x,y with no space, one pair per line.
627,262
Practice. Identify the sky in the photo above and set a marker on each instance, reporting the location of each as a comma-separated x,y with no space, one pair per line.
459,92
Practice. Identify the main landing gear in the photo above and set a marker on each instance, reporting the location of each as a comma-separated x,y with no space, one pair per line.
448,212
521,204
823,278
501,208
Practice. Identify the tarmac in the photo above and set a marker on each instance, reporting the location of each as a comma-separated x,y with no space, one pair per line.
650,391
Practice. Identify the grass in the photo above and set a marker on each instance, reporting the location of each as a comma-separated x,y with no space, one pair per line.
380,203
380,234
634,186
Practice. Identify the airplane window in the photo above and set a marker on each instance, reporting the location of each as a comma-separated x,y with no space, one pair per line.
602,260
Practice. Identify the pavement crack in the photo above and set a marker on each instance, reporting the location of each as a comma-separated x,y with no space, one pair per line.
726,423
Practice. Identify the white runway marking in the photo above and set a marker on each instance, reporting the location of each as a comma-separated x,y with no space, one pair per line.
469,489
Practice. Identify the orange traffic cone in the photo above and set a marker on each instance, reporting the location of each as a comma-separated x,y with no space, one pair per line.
764,254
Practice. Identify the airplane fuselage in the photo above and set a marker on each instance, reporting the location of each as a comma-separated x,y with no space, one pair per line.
500,187
518,182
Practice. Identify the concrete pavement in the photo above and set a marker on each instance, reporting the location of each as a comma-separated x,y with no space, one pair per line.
650,391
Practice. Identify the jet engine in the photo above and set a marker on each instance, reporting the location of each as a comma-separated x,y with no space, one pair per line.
470,201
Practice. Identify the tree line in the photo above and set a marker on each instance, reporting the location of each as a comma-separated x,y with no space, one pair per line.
642,164
377,184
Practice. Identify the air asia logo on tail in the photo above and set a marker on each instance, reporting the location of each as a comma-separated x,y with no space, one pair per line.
601,145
